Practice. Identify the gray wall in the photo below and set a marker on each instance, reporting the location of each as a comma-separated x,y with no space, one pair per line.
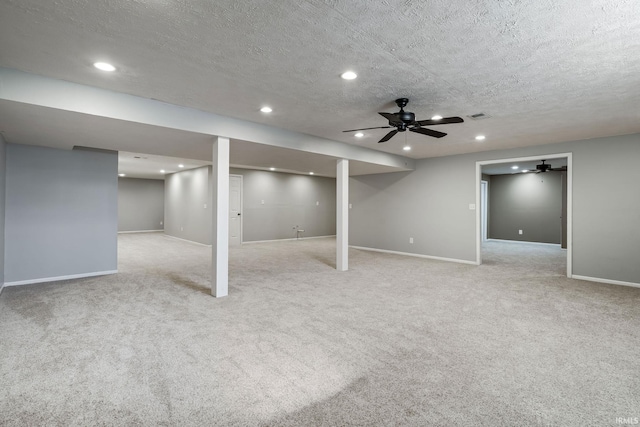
140,204
528,202
289,200
3,174
61,212
186,195
432,204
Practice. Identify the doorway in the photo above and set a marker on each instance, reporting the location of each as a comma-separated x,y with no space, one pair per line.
235,210
482,203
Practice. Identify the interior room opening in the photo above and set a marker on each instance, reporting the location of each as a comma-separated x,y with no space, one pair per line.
524,208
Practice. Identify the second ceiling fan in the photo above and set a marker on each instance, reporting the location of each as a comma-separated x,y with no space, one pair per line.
405,120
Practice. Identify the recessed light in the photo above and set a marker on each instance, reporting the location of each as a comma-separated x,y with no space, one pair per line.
310,173
348,75
266,109
161,170
480,138
359,135
104,66
122,174
180,165
514,167
272,169
436,117
524,170
406,148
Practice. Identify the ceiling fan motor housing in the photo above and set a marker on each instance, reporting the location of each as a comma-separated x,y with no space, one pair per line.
407,117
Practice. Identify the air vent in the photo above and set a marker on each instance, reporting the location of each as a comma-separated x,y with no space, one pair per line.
479,116
138,157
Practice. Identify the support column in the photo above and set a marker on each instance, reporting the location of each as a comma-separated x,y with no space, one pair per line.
220,218
342,215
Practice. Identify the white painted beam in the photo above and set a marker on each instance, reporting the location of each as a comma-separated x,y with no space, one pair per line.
220,218
342,215
19,86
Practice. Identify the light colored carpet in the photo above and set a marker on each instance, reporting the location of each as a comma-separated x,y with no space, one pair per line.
394,341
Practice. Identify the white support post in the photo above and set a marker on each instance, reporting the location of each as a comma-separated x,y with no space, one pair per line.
342,215
220,218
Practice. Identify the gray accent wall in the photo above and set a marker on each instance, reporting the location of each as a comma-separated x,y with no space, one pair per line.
432,204
289,200
274,203
140,204
3,175
61,213
528,202
187,209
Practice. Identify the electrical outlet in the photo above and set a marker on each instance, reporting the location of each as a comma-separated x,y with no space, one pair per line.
181,228
317,203
519,231
262,202
205,206
350,205
411,240
160,222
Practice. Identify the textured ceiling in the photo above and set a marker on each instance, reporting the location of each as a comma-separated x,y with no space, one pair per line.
545,71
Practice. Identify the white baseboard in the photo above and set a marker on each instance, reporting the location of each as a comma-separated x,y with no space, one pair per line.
55,279
139,231
284,240
522,241
608,281
460,261
185,240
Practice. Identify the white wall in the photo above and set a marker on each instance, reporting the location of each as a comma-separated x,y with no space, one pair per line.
61,213
140,204
432,205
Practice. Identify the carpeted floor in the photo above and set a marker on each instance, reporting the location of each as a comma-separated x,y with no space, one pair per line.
395,341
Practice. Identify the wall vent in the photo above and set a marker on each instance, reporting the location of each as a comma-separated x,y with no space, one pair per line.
479,116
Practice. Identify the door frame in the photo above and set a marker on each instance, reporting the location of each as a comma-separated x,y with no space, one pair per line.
569,157
241,204
484,211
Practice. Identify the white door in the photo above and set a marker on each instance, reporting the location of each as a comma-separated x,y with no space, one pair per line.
235,210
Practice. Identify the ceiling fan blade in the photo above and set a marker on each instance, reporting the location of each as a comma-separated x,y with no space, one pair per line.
389,136
378,127
428,132
443,121
392,117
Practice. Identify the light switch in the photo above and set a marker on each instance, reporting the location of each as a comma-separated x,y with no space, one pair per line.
205,206
350,205
317,203
262,202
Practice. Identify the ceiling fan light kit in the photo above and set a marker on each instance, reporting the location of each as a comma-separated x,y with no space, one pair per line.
406,120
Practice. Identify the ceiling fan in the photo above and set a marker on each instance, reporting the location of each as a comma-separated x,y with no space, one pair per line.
403,120
543,167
